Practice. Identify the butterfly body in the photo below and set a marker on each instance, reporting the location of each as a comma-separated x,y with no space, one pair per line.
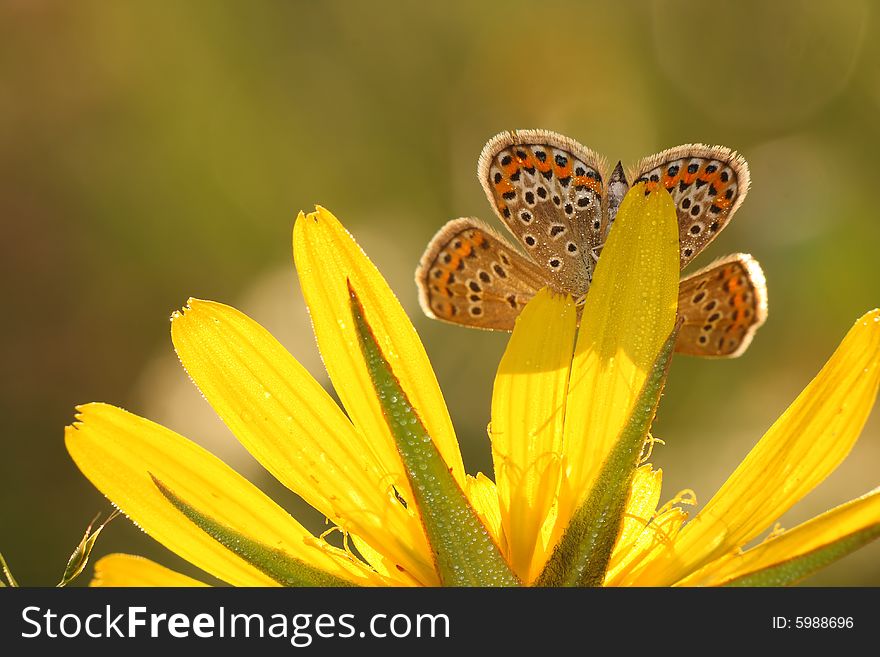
558,200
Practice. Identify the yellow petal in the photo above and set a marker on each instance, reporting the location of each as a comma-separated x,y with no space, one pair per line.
640,507
483,496
118,452
292,426
327,259
528,414
395,575
846,520
654,539
802,447
131,570
628,315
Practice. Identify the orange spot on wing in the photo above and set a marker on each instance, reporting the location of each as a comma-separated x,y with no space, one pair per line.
512,167
719,199
443,309
456,259
563,172
714,179
593,184
740,304
465,249
546,165
503,185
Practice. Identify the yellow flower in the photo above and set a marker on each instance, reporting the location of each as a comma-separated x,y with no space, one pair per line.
570,413
557,418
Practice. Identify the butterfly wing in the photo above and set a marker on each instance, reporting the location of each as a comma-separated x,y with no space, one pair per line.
707,184
722,306
548,190
472,276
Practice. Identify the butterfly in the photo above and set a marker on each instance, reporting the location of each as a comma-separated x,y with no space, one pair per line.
557,199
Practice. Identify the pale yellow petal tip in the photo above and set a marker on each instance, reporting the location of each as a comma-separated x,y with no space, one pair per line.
85,415
867,329
661,201
191,304
71,430
195,310
182,317
324,231
297,225
107,567
548,300
127,570
869,317
181,312
313,217
642,198
319,214
319,220
546,312
82,413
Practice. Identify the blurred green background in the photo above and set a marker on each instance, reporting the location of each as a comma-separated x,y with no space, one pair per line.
150,151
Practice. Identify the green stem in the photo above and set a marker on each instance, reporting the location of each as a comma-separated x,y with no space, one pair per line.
581,557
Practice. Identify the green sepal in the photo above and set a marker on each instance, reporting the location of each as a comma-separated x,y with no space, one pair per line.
80,557
463,550
275,563
794,570
7,573
581,557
